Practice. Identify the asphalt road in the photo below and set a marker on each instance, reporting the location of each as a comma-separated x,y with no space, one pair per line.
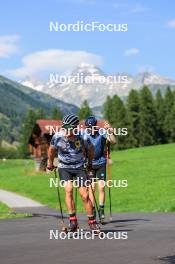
151,239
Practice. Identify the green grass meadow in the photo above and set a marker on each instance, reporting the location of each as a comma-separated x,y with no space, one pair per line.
6,212
149,171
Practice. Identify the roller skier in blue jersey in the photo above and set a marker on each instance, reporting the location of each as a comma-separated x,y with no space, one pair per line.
99,141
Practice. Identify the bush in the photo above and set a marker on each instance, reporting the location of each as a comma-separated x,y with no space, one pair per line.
9,153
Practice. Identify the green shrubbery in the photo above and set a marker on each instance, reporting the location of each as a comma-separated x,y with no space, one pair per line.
9,153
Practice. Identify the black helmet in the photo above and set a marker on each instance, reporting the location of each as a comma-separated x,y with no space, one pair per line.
90,121
71,120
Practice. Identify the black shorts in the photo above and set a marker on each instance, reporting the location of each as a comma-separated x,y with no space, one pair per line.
78,174
99,172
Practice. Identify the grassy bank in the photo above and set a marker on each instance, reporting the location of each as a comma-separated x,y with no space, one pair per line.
6,212
149,172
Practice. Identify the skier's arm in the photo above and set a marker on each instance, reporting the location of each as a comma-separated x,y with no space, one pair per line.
52,153
51,156
110,134
110,137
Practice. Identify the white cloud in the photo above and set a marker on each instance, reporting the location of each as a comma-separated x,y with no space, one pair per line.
53,60
138,8
131,52
171,23
146,68
120,5
8,45
83,1
130,8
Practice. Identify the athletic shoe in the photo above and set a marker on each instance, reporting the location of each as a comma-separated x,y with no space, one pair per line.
73,225
94,227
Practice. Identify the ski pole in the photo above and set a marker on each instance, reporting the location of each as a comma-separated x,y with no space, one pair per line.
64,228
75,199
109,176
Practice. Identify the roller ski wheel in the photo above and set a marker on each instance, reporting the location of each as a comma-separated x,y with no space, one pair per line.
64,229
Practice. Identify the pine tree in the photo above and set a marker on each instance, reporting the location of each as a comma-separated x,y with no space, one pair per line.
27,126
119,114
172,119
133,109
147,118
107,109
56,113
160,112
40,113
84,111
168,105
115,113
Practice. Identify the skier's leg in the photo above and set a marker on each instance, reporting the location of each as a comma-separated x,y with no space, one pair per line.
91,196
101,174
68,185
101,189
66,175
84,193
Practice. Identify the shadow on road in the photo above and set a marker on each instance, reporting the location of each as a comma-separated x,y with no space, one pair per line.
114,230
168,259
125,221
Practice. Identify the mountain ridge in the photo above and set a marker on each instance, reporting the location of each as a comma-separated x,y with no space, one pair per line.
16,100
96,92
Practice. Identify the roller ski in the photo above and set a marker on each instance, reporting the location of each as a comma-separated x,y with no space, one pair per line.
73,225
72,228
95,229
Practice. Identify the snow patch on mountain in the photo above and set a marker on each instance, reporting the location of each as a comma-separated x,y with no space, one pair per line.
95,92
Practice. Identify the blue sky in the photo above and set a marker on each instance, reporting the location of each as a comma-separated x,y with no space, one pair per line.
27,47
